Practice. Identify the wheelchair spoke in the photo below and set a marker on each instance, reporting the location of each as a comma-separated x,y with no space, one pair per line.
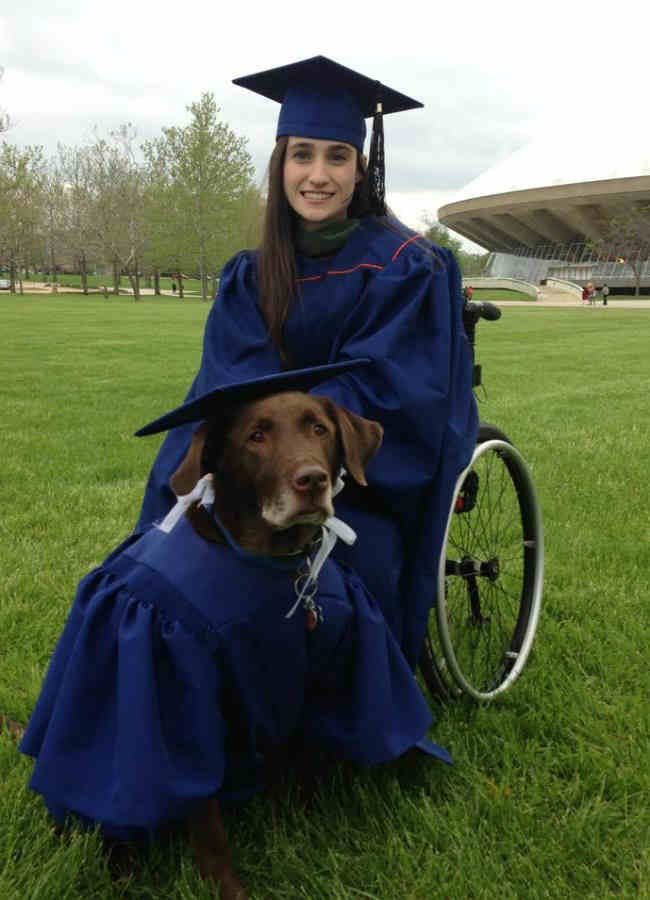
487,561
475,535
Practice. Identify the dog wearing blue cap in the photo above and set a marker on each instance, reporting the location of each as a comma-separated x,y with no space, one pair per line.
202,647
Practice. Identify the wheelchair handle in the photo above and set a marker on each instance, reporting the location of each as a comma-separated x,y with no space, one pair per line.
472,312
481,310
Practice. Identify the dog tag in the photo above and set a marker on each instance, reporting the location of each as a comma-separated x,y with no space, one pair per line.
311,619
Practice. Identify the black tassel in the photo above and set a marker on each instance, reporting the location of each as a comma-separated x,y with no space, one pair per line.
376,162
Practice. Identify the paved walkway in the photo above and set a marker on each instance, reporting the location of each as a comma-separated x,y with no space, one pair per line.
550,297
40,287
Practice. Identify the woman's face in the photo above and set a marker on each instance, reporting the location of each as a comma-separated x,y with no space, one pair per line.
319,179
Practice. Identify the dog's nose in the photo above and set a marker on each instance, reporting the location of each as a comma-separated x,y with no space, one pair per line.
310,478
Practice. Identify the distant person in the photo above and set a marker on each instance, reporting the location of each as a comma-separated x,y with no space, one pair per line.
173,287
585,294
468,293
605,293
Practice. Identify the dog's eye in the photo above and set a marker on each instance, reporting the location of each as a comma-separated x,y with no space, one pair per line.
320,429
257,436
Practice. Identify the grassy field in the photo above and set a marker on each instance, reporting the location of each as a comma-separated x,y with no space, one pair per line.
498,295
548,796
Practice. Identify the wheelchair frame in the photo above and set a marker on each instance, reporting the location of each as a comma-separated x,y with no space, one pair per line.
490,574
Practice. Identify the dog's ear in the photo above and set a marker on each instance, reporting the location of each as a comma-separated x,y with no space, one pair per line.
361,439
189,471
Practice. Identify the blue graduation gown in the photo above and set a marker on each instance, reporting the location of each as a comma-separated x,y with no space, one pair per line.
177,668
385,297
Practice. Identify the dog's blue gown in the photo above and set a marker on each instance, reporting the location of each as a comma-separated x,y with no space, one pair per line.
388,299
178,669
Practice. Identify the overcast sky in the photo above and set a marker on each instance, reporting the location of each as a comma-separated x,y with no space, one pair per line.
492,76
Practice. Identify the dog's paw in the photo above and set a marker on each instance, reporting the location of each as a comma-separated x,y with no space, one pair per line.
14,728
224,877
231,888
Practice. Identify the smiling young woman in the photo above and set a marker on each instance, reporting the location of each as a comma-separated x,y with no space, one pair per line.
335,277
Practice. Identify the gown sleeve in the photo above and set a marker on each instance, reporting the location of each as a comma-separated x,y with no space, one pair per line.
235,339
127,731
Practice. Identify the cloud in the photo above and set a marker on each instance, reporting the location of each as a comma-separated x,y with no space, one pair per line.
488,78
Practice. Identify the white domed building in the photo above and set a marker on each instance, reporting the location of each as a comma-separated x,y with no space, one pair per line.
538,209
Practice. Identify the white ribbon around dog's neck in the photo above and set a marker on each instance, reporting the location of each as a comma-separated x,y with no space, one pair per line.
339,484
203,493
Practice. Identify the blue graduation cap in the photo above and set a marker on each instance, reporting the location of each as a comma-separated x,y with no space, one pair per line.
323,99
212,402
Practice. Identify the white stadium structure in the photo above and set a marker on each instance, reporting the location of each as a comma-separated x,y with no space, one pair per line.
537,210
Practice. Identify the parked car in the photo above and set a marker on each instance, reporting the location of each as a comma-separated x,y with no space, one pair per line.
5,284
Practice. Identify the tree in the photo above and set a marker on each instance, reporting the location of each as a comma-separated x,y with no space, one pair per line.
625,236
5,121
21,207
53,221
116,182
206,173
79,235
169,242
439,234
470,263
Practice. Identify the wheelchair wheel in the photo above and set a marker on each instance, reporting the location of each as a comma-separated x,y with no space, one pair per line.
490,577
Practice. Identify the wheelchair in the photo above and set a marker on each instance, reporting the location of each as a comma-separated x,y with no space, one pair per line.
490,575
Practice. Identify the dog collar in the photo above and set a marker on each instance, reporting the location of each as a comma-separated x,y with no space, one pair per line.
306,584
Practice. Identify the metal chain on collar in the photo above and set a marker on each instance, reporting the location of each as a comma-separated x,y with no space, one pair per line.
305,586
306,580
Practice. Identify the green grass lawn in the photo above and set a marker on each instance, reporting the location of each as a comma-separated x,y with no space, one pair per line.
548,796
497,295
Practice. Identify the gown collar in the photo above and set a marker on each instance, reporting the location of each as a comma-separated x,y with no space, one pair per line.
350,253
326,240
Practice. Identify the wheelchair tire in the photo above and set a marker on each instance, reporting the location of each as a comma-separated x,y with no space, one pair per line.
490,577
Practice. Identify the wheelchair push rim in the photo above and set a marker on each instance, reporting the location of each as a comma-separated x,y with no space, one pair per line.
490,573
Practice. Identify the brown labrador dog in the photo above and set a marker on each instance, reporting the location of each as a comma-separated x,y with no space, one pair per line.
274,463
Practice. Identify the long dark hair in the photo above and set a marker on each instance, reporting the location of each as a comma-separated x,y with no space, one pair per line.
276,257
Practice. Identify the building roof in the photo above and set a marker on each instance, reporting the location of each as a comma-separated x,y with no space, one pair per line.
558,188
